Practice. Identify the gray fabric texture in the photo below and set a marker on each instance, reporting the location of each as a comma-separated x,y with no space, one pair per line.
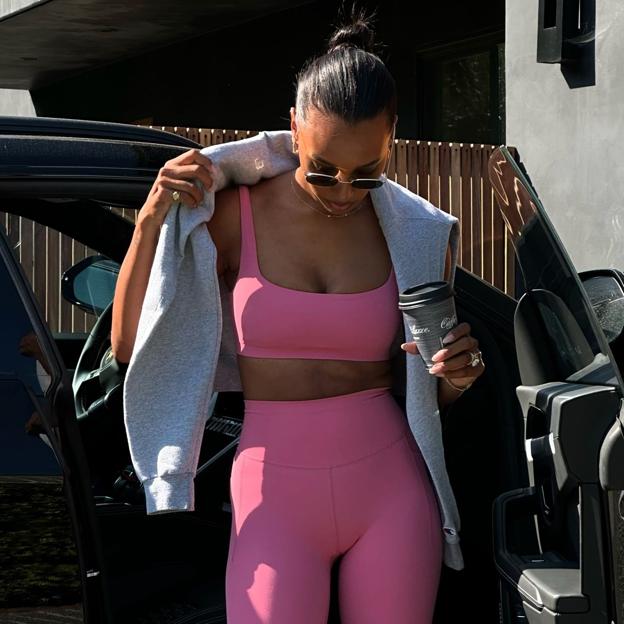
185,344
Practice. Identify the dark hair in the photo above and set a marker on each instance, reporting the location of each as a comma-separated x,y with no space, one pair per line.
349,80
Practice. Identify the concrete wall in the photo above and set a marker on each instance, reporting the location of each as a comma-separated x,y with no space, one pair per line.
15,101
11,6
572,139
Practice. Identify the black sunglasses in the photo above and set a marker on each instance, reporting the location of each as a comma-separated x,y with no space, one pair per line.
323,179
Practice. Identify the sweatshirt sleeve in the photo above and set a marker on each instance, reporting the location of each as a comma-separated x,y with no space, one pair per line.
170,376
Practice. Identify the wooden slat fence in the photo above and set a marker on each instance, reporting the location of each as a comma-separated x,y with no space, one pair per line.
44,255
453,176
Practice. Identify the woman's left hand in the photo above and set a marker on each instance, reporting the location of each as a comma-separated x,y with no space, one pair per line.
453,361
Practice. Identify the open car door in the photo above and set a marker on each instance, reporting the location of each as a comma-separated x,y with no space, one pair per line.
558,542
50,562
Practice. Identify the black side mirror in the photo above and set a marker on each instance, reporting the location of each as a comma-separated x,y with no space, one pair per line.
605,289
90,283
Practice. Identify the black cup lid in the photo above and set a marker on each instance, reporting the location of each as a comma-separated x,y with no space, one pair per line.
429,292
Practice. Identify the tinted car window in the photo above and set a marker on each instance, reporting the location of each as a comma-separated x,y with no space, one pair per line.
544,268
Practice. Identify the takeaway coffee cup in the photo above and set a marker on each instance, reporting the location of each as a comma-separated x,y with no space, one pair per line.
429,310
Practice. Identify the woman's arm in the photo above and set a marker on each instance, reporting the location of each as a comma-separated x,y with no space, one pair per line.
177,174
131,286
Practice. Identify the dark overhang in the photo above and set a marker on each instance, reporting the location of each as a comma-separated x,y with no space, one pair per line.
52,40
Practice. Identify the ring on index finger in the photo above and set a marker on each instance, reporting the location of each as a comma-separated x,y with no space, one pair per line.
175,195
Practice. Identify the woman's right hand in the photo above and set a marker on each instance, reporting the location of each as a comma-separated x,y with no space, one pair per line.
179,174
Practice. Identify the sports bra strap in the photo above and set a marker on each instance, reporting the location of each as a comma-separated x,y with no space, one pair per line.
248,253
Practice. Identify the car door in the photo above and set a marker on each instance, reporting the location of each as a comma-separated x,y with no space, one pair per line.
558,541
151,568
49,562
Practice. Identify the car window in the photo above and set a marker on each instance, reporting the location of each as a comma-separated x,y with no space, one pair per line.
454,178
45,254
37,550
544,268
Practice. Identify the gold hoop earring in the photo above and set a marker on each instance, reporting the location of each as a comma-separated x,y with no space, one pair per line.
295,148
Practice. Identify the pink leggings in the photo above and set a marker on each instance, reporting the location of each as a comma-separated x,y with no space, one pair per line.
313,480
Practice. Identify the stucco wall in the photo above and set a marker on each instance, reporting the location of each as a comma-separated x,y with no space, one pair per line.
16,102
11,6
572,140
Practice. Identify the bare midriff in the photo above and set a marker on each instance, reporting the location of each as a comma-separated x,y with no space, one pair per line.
285,379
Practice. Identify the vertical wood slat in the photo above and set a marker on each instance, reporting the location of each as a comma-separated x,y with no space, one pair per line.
193,134
487,221
475,210
423,169
67,309
181,131
393,162
40,262
434,173
445,177
78,253
26,253
205,137
456,189
412,166
466,209
53,280
401,162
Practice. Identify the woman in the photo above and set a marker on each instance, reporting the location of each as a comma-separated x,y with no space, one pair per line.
327,466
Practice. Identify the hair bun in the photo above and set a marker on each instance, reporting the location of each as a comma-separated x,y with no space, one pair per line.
357,34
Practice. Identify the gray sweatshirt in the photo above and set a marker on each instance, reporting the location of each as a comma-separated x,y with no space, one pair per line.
185,348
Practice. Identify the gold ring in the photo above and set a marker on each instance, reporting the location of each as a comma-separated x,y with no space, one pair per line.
475,358
175,196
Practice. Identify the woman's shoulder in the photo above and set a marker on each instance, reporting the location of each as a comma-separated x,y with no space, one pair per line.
226,203
224,226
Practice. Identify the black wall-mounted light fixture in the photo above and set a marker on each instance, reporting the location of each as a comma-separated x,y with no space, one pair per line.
565,30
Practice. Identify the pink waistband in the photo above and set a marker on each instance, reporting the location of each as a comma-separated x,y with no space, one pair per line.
324,432
312,404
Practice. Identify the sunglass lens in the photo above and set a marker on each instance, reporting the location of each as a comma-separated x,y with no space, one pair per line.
367,183
320,179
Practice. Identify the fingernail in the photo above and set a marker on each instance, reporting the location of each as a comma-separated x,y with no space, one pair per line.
403,346
447,339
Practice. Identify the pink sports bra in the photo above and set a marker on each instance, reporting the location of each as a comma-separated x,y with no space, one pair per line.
272,321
